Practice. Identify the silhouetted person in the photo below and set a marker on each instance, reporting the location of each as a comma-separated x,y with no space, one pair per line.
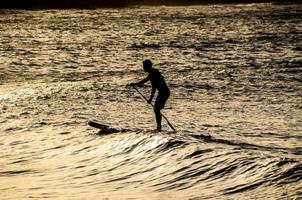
158,82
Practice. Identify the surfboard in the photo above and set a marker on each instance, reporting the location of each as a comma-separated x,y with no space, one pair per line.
98,125
105,129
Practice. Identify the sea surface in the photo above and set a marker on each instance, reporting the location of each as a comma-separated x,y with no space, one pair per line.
235,74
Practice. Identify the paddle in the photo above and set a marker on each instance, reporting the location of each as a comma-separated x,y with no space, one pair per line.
153,107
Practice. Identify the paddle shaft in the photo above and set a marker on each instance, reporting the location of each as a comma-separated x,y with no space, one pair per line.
154,107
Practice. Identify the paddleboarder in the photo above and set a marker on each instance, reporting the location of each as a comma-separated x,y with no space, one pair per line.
158,83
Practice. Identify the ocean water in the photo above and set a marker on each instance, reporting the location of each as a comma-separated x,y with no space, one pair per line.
235,74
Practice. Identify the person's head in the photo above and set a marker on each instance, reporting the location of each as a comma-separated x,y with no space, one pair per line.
147,65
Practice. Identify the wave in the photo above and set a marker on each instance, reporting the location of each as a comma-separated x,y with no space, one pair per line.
211,160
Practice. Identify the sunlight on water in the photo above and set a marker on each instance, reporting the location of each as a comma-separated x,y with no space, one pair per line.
13,96
235,77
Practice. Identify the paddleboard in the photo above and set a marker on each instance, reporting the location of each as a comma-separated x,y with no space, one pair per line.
105,129
95,124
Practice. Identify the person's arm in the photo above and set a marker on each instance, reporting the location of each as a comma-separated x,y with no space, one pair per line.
152,95
140,82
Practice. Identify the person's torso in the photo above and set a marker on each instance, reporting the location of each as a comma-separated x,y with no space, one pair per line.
158,81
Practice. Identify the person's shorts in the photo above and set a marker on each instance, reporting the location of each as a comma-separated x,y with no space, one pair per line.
161,100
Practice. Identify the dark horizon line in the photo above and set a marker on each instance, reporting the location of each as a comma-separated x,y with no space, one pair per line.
93,4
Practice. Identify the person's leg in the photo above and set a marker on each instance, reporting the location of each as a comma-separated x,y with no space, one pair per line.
158,118
159,104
